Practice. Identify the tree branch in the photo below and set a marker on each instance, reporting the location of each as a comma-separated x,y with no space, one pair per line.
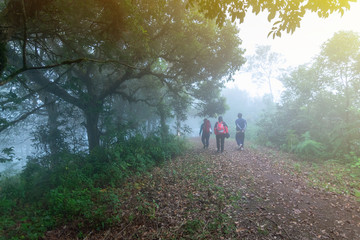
67,62
22,117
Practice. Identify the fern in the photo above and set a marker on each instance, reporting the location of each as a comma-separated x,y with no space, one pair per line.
309,148
292,140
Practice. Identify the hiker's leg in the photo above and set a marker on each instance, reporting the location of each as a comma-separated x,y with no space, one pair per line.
207,139
241,138
222,142
203,139
218,142
237,137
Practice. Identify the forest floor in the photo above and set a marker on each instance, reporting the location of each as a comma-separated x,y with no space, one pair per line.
250,194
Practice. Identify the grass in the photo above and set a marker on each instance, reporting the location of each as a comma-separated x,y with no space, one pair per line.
331,176
335,177
338,176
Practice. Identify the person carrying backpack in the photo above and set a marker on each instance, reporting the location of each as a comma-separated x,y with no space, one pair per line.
221,131
241,125
205,129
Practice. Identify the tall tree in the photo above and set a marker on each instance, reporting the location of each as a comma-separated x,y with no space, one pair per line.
338,60
265,67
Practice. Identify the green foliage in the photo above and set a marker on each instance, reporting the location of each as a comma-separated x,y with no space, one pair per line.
356,163
63,187
14,189
8,154
357,194
87,206
49,141
292,140
285,17
308,147
269,133
193,226
331,175
213,107
320,100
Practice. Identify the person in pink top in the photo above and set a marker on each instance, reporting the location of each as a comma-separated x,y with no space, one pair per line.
221,131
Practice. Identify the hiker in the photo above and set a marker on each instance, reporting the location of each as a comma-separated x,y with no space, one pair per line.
241,125
221,131
205,129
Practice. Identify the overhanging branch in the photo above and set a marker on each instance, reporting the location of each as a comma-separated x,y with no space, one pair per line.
67,62
22,117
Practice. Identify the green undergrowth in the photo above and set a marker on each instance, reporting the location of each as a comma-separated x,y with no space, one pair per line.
77,188
333,176
338,176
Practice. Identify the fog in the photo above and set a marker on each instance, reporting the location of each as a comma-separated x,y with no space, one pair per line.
238,101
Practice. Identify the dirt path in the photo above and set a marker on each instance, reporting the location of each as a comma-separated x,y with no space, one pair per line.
282,204
248,194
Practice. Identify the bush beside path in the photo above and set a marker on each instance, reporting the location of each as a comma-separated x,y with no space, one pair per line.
250,194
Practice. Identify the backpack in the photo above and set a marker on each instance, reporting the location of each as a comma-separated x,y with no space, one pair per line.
207,127
220,127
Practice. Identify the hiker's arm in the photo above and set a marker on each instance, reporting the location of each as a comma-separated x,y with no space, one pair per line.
226,128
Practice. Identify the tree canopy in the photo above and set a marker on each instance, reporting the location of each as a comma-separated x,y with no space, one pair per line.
154,53
286,15
51,18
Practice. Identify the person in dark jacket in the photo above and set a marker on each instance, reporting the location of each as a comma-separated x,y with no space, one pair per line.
241,125
205,131
220,130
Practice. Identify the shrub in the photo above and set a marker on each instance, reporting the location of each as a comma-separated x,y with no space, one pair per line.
309,148
64,187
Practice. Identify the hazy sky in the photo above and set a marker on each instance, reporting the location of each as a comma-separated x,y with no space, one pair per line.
298,48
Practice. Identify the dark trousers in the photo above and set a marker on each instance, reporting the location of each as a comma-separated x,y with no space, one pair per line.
220,139
205,139
240,137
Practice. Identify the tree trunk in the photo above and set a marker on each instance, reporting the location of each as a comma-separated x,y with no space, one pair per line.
55,140
163,127
92,119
